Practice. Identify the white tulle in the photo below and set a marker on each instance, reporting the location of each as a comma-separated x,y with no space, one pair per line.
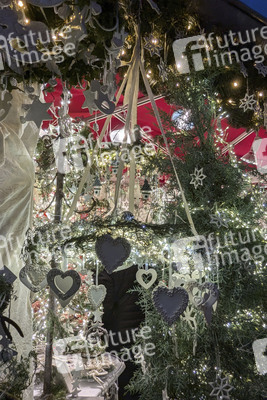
16,200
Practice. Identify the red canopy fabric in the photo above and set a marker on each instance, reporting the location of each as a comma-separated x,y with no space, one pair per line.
145,117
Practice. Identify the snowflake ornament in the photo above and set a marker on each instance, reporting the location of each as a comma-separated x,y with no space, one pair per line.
152,45
189,315
197,178
262,69
218,221
248,102
221,388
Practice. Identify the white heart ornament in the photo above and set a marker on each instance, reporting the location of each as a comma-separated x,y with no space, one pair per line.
64,284
140,280
96,295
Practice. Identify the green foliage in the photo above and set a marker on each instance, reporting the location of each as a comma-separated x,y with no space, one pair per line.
16,377
238,268
225,344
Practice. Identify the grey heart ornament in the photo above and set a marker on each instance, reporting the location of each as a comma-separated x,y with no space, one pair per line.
64,284
139,277
112,252
96,295
24,278
170,303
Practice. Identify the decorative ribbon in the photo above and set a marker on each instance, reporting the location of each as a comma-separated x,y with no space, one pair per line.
131,97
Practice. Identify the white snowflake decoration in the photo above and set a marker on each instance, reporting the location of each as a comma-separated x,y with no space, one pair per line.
248,102
221,388
197,178
218,221
189,315
262,69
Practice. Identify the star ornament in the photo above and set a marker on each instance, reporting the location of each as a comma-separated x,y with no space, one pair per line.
197,178
89,101
262,69
37,112
97,315
152,45
221,388
248,102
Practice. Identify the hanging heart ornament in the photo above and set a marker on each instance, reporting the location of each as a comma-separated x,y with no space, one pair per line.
96,295
25,279
140,277
112,252
64,284
170,303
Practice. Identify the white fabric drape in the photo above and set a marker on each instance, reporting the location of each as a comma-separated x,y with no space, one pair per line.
16,199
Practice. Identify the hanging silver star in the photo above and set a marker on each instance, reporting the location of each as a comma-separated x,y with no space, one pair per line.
89,101
262,69
37,112
97,315
221,388
152,45
197,178
248,102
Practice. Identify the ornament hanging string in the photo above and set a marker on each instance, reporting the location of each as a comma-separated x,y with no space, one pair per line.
156,112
